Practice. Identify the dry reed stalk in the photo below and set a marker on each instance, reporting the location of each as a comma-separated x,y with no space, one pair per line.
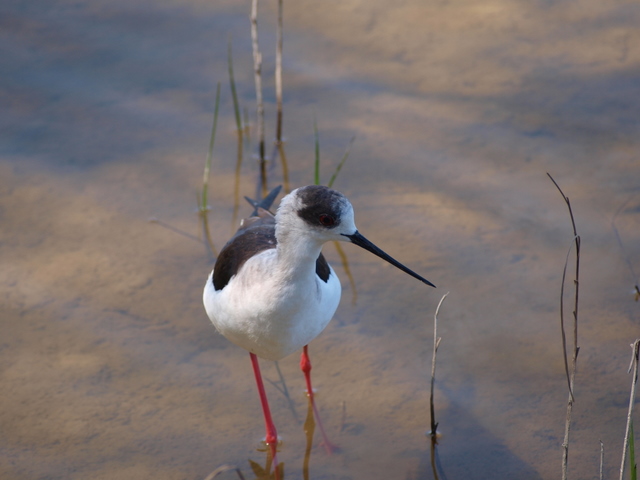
601,460
279,74
576,349
633,366
433,434
285,168
316,136
436,344
434,459
278,79
236,184
240,131
257,68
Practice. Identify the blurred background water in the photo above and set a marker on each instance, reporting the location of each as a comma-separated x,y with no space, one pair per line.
109,366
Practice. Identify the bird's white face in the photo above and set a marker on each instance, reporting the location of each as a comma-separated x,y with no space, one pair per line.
318,212
347,223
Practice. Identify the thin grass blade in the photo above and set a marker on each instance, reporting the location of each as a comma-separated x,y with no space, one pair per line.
344,159
316,172
207,166
234,93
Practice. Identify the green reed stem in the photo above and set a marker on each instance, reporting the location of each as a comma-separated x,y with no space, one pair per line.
234,93
207,165
316,173
344,159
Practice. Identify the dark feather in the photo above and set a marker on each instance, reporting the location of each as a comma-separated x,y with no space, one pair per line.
265,203
244,245
322,269
254,236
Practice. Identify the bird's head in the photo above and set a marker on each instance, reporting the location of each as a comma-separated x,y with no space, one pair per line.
323,214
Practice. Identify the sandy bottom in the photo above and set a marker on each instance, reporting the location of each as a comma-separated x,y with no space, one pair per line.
108,364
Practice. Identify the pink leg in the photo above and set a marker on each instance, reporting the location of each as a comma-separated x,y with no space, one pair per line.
271,438
305,366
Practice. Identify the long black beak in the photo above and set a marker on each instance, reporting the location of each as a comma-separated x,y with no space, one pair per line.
359,240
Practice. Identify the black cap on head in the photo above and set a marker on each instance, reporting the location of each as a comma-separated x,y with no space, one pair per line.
322,207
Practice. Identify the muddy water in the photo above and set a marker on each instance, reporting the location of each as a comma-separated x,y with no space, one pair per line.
109,366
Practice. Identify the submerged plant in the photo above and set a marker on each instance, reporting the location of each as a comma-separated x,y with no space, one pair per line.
203,204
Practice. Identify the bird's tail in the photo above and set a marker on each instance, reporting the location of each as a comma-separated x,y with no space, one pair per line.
265,203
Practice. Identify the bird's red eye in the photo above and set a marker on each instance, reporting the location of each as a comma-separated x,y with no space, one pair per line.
326,220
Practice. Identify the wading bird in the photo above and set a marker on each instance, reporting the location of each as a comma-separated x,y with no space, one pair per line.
271,291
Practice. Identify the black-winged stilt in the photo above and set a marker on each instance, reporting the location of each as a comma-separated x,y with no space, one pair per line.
271,291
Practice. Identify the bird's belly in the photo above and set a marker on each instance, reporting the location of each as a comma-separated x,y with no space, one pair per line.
272,326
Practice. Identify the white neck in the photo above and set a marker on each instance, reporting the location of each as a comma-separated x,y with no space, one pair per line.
297,253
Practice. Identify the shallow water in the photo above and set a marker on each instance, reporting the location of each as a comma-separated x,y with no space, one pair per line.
109,366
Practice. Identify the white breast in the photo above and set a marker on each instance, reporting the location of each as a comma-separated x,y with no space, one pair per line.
272,318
